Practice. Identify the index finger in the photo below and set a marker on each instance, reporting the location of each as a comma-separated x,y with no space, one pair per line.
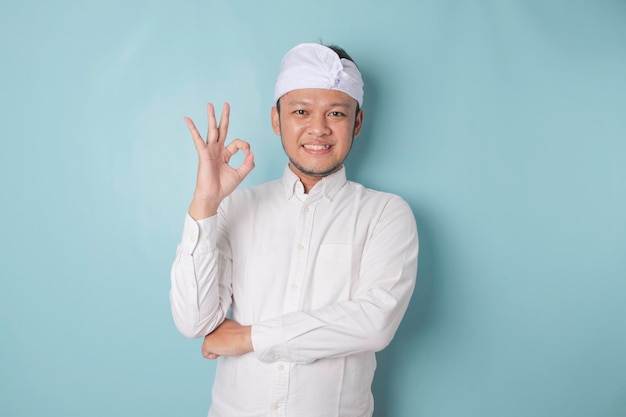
195,135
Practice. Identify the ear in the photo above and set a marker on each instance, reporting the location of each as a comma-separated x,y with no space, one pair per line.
275,120
358,123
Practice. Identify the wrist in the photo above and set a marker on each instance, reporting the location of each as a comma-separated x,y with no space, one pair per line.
246,335
201,209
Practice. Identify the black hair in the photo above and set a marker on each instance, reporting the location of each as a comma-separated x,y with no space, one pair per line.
341,52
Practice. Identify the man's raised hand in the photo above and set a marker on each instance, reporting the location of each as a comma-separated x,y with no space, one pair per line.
216,178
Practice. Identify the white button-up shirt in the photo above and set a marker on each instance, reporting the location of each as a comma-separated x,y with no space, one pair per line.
324,279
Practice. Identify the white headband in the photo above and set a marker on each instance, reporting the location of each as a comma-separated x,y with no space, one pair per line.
311,65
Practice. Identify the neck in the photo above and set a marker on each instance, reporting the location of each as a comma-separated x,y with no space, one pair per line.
308,181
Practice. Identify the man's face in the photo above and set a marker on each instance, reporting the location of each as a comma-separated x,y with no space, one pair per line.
317,127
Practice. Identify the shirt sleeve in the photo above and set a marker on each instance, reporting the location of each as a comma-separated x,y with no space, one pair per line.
367,322
200,292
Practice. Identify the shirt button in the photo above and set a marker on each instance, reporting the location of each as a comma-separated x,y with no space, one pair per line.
294,287
275,406
281,367
300,246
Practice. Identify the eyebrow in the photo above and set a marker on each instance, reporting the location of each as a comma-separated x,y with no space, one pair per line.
307,102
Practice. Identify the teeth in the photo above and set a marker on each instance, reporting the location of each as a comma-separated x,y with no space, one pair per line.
316,147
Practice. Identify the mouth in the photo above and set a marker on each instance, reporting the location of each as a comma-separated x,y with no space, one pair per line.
316,147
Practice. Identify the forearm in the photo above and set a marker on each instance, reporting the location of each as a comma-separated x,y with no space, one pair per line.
340,329
198,299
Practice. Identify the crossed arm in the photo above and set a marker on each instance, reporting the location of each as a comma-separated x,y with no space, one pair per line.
367,322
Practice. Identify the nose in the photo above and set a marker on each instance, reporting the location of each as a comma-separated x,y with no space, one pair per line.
318,125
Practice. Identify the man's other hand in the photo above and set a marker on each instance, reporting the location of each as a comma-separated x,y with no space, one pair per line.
228,339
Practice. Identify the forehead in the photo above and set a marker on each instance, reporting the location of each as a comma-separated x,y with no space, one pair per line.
318,97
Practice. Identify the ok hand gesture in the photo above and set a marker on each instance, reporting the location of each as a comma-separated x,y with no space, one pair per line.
216,178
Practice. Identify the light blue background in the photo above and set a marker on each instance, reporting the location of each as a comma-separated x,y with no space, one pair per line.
502,123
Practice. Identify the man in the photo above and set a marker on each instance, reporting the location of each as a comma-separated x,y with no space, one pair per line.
316,271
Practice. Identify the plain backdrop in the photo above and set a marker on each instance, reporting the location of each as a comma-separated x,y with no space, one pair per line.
502,123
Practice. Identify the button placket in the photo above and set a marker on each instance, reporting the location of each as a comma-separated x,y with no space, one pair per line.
300,256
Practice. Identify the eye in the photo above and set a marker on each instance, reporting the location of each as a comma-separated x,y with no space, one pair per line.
337,114
299,112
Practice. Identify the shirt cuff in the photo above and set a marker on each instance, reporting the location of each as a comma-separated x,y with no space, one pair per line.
199,236
268,341
277,339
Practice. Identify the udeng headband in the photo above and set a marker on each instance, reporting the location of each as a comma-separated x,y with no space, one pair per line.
310,65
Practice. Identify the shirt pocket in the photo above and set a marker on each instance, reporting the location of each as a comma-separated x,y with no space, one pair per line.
334,274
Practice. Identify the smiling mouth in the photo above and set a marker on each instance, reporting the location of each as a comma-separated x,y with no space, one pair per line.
316,147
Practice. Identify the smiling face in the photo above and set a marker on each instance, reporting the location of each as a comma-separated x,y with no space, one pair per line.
317,127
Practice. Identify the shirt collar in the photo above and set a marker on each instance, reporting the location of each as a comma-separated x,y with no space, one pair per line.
326,187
